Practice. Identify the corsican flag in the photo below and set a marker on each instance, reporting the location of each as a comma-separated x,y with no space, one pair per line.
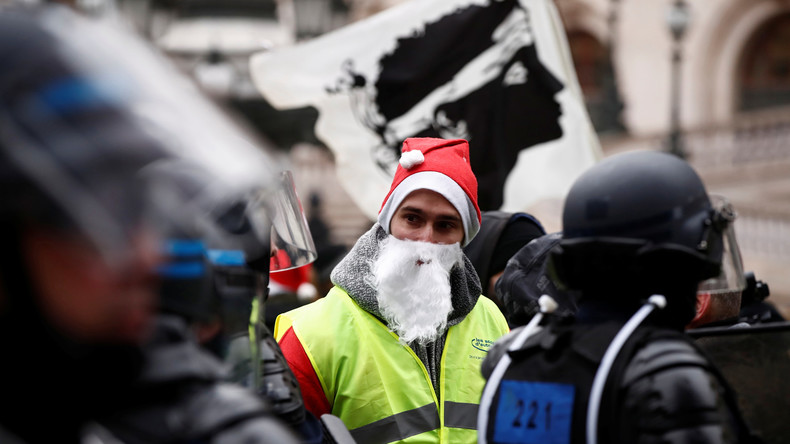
495,72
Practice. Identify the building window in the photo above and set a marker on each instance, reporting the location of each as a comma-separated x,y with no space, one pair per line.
317,17
266,9
597,80
764,77
589,57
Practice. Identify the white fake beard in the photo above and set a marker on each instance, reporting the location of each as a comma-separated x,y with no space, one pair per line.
413,282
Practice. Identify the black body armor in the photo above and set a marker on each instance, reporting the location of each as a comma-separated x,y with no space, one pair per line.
661,389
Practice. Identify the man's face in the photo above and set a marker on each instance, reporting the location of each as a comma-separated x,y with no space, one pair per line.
427,216
85,297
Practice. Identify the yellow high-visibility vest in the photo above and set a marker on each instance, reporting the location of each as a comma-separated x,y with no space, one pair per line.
379,387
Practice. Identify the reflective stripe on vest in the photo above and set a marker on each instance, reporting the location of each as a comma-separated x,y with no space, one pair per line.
414,422
379,387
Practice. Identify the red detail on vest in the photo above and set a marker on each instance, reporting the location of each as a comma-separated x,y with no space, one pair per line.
313,394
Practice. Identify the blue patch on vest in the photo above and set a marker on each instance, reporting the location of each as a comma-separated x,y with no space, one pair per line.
534,413
229,258
184,247
182,270
79,94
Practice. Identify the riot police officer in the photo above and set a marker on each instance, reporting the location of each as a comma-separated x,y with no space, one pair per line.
93,127
639,235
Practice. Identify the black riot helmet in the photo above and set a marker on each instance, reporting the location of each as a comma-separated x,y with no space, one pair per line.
636,224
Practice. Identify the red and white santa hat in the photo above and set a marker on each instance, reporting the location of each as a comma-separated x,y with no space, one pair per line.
438,165
294,281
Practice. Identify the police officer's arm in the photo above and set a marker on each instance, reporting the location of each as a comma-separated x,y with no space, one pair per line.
670,396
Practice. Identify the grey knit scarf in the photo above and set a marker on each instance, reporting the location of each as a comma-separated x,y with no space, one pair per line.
353,274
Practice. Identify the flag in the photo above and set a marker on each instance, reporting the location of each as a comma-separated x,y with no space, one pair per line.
495,72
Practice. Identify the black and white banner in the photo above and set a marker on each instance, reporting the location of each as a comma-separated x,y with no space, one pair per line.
495,72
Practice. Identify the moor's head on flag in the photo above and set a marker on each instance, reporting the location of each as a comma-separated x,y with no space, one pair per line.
474,74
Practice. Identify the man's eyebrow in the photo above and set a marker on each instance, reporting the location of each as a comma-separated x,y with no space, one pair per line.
412,210
450,217
444,217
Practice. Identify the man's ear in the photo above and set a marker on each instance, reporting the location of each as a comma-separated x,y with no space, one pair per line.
703,303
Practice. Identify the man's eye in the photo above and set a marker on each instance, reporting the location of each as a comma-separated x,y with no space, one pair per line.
411,217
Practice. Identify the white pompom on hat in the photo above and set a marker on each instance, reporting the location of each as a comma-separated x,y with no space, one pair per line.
438,165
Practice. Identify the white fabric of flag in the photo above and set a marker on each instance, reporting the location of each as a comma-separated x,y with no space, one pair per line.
495,72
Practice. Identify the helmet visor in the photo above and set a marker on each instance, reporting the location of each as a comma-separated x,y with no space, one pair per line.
280,208
731,278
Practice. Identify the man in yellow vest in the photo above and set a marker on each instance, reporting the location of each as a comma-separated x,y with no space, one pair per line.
395,348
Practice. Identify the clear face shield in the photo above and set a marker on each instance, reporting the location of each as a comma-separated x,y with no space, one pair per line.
277,217
731,279
277,214
265,223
